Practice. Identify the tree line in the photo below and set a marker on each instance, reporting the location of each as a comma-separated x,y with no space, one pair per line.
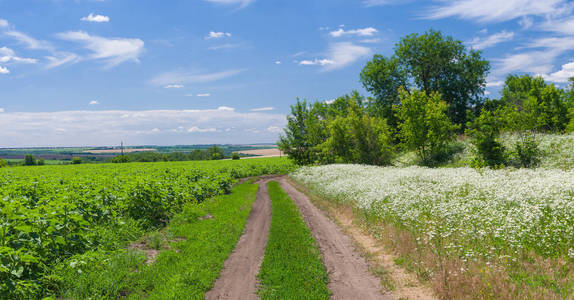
431,90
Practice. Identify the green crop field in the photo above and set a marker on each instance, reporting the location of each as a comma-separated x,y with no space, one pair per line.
52,213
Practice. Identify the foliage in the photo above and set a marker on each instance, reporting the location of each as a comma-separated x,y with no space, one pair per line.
52,213
485,131
429,62
40,162
187,266
76,160
3,163
235,156
424,126
356,137
529,103
29,160
292,267
297,142
526,151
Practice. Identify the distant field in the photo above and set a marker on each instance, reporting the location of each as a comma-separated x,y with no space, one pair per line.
263,152
107,151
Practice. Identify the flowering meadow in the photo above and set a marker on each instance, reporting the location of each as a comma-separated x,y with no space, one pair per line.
497,217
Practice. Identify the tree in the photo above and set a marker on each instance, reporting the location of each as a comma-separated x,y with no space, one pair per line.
297,140
424,125
215,153
3,163
356,137
235,156
484,132
532,104
429,62
76,160
29,160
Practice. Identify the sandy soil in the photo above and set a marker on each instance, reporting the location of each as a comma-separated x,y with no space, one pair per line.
348,272
238,278
263,152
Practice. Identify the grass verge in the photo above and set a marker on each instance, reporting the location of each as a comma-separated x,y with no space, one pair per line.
199,240
292,267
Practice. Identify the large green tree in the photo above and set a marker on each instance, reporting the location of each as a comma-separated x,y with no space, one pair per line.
430,62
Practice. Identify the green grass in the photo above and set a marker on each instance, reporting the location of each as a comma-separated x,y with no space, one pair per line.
185,269
292,267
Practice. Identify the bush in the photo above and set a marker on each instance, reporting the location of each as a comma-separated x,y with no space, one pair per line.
29,160
235,156
3,163
40,162
526,151
484,132
76,160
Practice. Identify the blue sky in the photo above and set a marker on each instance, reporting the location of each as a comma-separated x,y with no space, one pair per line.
94,72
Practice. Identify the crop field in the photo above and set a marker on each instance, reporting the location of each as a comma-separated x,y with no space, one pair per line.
49,214
489,233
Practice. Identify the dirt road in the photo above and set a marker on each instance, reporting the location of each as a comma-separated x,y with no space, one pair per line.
348,272
238,278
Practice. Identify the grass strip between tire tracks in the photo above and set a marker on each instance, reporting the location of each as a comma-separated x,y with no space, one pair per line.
292,267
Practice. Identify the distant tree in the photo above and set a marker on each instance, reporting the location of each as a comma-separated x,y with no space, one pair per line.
29,160
235,156
40,162
296,142
215,153
120,159
429,62
76,160
424,125
3,163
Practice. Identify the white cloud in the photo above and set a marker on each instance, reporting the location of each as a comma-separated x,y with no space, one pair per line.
316,62
497,38
8,55
3,23
269,108
29,41
496,83
563,75
496,10
240,3
538,62
178,77
60,59
368,31
561,25
4,70
275,129
113,51
107,127
204,95
217,35
1,110
226,108
370,41
155,130
96,18
339,56
526,22
277,62
201,130
173,86
94,102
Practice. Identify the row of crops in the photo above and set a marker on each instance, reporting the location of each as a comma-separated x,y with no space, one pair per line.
48,214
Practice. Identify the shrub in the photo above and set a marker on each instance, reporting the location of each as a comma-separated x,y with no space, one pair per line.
484,132
76,160
526,151
40,162
3,163
235,156
29,160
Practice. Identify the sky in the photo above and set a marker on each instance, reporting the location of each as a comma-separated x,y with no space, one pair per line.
174,72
